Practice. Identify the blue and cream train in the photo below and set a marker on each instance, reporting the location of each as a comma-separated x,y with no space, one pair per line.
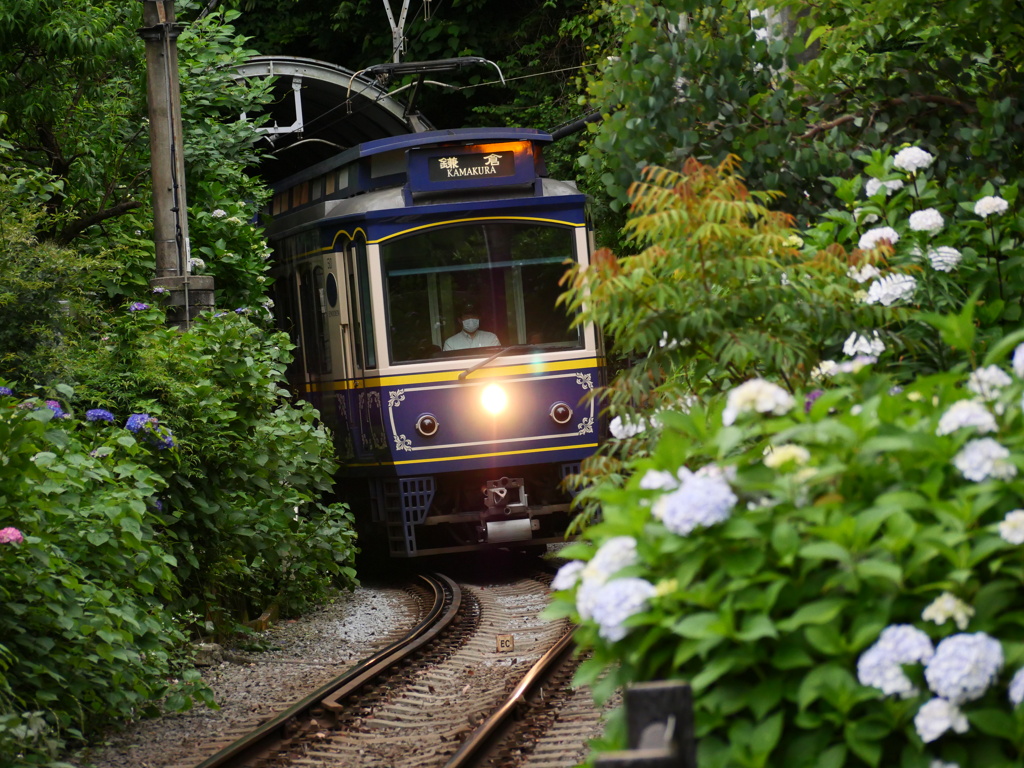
377,252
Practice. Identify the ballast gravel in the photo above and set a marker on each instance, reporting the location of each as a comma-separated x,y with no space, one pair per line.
299,656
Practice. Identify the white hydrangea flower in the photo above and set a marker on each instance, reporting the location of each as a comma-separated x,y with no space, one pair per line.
700,501
622,429
990,205
873,237
854,366
219,213
984,458
941,764
964,666
658,480
756,395
912,159
865,273
945,258
1016,692
779,456
966,413
824,370
936,717
873,185
586,598
568,575
862,345
890,289
617,601
195,265
864,216
989,382
1018,361
948,606
928,220
880,666
1011,529
611,557
728,474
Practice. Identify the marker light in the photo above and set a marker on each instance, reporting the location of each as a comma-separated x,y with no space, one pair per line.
493,399
427,425
560,413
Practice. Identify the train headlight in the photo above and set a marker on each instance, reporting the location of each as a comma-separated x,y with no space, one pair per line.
493,399
560,413
427,424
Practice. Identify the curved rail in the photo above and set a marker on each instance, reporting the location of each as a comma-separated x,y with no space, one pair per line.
488,734
263,739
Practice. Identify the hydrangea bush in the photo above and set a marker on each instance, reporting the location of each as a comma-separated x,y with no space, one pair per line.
86,580
831,554
837,583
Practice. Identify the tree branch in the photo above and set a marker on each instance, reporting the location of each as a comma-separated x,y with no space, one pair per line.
919,97
72,230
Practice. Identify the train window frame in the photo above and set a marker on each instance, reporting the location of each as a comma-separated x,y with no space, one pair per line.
508,305
364,310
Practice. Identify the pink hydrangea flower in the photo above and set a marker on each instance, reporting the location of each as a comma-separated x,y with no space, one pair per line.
10,536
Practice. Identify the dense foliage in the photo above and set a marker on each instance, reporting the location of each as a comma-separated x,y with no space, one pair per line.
827,549
155,485
796,90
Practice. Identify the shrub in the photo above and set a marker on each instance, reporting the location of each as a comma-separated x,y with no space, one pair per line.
85,579
763,576
241,511
834,566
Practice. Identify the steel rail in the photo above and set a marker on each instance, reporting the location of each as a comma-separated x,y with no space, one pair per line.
489,733
272,733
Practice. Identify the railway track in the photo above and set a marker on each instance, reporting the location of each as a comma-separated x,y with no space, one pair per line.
483,682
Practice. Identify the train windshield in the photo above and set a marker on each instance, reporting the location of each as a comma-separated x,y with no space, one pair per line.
470,289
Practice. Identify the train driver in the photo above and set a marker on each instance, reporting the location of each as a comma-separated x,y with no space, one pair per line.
470,336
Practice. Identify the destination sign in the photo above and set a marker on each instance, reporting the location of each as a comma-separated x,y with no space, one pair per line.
471,166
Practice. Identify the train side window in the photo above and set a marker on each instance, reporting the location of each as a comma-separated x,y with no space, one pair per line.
365,305
312,320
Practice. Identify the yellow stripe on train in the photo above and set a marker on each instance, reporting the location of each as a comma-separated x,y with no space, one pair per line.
431,378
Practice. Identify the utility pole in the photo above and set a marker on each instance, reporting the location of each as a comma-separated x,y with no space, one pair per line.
189,294
398,28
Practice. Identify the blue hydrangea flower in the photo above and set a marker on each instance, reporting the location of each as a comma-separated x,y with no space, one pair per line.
99,414
136,422
156,434
58,412
6,391
137,306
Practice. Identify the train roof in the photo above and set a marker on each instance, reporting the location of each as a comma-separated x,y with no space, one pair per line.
414,141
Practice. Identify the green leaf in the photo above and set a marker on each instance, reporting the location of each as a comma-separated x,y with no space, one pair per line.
817,612
701,626
755,627
995,722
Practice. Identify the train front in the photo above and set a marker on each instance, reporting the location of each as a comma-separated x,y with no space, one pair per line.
483,379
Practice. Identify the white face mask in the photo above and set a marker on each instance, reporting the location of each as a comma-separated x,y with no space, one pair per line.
470,324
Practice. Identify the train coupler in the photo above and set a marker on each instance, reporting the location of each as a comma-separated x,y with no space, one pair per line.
507,514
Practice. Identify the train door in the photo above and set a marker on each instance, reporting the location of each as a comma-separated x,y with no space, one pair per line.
371,442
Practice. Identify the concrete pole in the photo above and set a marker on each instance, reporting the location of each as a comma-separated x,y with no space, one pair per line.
188,294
